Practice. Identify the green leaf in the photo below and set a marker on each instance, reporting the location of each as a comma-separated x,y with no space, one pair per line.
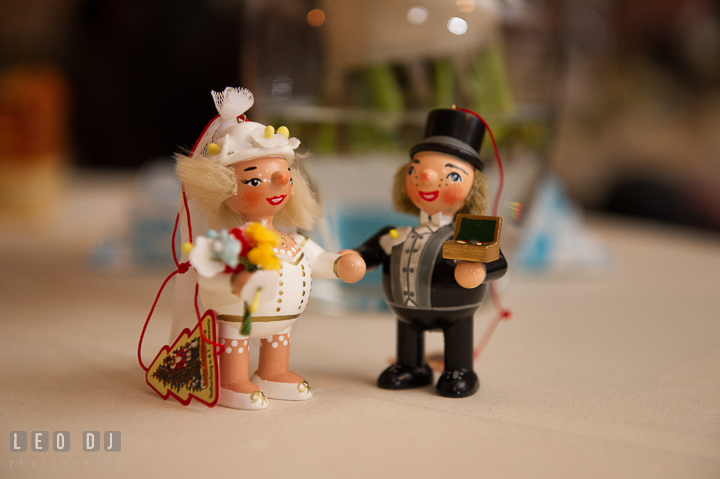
247,322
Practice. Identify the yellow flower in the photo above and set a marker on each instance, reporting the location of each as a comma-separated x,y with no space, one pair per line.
258,233
263,256
255,304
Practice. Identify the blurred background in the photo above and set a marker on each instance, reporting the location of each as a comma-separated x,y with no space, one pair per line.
607,119
605,105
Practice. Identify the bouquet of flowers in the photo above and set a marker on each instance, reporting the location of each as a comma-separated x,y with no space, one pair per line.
249,248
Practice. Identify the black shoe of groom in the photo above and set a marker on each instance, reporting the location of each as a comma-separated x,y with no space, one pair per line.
402,376
458,383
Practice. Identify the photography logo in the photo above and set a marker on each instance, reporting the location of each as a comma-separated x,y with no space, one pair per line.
27,444
40,441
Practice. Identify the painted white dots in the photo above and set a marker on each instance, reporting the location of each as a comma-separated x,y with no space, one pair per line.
222,341
281,338
228,350
234,343
240,350
274,345
285,343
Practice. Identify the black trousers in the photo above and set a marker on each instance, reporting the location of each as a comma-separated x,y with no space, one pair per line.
457,328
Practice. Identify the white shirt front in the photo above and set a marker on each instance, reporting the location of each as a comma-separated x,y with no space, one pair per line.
412,250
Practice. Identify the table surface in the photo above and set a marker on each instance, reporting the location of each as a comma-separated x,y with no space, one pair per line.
615,375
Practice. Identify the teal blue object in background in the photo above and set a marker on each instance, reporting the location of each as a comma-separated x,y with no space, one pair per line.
349,226
355,225
151,240
557,239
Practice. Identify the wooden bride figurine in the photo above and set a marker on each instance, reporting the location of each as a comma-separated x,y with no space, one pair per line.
241,172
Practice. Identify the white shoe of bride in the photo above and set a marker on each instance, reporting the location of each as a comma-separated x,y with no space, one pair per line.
288,391
256,400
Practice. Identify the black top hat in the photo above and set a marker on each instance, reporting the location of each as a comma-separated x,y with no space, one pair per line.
454,132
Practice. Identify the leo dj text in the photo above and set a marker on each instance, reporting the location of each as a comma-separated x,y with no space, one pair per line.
40,441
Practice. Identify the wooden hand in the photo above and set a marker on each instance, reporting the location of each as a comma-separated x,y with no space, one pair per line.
350,267
469,275
239,280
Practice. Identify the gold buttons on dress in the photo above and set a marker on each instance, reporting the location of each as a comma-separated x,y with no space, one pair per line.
277,309
303,293
279,300
303,284
280,283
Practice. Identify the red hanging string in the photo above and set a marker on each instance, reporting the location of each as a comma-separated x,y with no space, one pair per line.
202,134
197,313
177,219
182,268
503,314
187,215
184,196
501,183
190,235
152,309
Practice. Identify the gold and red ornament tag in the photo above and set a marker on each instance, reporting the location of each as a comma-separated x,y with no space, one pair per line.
189,368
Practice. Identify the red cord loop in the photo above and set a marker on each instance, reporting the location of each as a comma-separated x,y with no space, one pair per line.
501,172
503,314
182,268
152,309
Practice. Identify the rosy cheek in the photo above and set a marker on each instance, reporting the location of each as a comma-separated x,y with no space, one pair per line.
415,197
412,191
452,194
251,197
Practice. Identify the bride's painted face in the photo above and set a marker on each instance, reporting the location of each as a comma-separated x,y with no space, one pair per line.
264,186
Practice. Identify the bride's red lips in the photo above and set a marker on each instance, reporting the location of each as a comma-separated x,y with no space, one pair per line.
276,200
429,196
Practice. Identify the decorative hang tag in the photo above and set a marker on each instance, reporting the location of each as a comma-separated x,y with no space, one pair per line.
189,368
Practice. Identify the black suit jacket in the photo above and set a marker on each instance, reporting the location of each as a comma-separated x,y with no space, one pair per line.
438,291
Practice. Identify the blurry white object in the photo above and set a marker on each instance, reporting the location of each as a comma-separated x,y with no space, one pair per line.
150,217
556,238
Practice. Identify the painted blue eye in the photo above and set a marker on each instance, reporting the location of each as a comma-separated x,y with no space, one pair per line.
252,182
411,170
455,177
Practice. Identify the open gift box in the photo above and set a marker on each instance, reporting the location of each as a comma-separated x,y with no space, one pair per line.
476,239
